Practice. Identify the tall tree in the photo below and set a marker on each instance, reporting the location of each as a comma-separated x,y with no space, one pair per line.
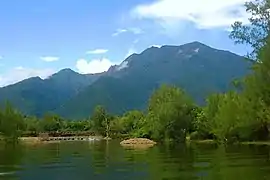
257,89
100,120
255,33
169,113
11,123
51,122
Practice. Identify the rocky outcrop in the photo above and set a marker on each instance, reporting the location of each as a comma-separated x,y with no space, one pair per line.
138,143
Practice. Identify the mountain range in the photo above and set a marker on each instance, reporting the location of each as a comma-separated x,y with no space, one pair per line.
195,67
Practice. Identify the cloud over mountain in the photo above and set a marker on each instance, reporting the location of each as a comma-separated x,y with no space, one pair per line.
93,66
204,14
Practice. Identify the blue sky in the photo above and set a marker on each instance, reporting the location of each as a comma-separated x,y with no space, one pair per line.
38,38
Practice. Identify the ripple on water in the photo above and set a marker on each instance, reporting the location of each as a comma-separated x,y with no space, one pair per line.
111,161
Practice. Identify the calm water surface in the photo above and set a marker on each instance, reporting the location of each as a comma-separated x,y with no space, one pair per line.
101,160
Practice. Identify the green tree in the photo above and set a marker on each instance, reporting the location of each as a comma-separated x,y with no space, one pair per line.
32,123
254,34
51,122
206,118
257,89
129,121
83,125
169,113
227,118
100,121
11,123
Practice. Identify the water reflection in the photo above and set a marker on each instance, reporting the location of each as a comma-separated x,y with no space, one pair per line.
10,160
108,160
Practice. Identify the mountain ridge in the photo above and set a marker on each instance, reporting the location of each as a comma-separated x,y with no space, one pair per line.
196,67
200,72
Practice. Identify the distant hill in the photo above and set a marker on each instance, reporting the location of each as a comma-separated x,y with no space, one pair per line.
197,68
36,96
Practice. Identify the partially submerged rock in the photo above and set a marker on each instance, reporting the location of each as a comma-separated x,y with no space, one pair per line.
138,143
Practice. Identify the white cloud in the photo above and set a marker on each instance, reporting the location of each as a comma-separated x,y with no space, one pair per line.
17,74
49,58
130,52
119,31
135,41
157,46
136,30
204,14
93,66
133,30
97,51
123,65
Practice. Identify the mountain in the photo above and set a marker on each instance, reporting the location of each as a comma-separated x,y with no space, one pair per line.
197,68
36,96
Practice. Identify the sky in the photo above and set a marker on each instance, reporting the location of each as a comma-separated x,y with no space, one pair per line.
38,38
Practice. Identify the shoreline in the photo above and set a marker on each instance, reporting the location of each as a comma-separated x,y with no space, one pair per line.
38,140
211,141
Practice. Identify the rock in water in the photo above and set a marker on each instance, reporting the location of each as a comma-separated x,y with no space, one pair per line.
138,143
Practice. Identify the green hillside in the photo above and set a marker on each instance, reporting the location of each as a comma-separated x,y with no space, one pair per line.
36,96
197,68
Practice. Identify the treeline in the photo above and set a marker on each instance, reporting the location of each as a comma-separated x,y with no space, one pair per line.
14,124
240,115
169,115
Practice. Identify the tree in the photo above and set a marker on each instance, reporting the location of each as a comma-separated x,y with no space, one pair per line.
51,122
255,102
227,118
11,123
101,121
254,34
129,121
207,117
257,89
169,113
32,124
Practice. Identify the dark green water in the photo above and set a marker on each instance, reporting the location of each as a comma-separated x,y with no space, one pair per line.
86,160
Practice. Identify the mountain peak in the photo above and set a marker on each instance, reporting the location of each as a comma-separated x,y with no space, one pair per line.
195,44
63,72
31,80
66,70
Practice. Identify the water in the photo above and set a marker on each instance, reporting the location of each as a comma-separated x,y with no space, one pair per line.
101,160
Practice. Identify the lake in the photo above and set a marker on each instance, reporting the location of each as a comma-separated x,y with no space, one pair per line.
108,160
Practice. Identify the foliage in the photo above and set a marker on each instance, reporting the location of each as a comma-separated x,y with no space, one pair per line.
255,33
100,120
169,113
11,123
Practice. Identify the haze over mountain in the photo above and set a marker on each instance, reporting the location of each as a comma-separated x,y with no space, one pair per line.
196,67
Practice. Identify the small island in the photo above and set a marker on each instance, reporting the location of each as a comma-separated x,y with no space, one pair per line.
138,143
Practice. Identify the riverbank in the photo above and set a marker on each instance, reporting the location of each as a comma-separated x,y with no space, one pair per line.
42,140
34,141
206,141
256,143
211,141
134,142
